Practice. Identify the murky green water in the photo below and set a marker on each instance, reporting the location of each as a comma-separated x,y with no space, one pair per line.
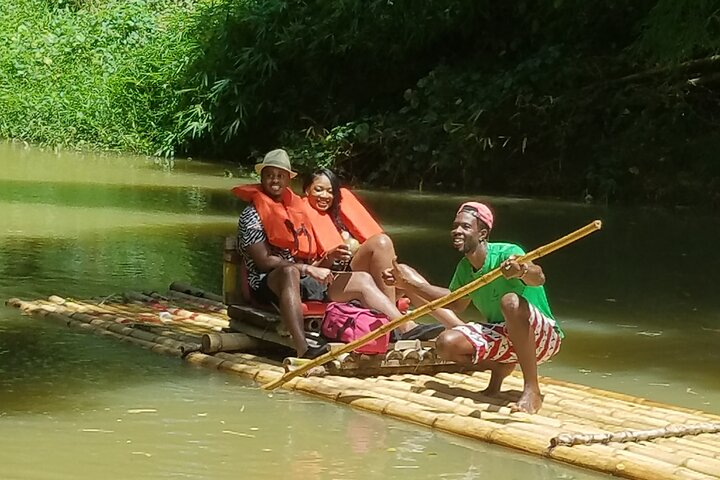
636,301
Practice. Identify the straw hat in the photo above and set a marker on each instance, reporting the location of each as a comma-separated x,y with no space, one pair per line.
277,158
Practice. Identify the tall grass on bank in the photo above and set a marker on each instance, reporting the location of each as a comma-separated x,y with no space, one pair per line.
91,74
214,77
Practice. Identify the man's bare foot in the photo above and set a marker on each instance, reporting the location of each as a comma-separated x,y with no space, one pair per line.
530,401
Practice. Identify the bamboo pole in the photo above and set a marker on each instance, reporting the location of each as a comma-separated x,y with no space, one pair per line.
85,313
448,391
692,460
440,302
227,342
265,334
627,398
199,302
210,319
572,405
121,315
199,318
670,446
577,413
76,319
698,443
621,463
82,307
586,404
126,331
187,302
636,465
250,359
493,405
373,371
138,297
195,292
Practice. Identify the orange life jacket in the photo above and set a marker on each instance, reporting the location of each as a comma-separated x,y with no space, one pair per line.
353,215
286,222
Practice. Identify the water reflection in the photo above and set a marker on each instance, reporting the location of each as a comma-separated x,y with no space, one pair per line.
78,194
102,264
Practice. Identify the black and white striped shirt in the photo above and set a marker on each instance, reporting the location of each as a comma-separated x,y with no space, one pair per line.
250,232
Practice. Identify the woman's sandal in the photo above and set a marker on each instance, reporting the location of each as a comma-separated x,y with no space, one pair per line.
423,331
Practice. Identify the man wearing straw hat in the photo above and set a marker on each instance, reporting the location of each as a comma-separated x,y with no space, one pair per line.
520,327
276,240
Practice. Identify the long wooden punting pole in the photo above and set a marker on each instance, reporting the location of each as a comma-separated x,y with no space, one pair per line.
435,304
570,439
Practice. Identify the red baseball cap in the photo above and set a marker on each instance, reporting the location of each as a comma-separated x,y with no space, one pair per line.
480,210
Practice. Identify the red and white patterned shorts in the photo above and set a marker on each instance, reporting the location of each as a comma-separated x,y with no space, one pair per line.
491,341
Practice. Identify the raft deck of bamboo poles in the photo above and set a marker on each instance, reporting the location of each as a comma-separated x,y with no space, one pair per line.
608,432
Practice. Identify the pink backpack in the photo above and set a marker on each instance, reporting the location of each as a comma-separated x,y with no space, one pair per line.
346,322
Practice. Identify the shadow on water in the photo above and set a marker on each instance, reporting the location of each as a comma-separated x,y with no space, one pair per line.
102,264
48,368
151,198
665,353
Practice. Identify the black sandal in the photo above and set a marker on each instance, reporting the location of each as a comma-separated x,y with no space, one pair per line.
423,331
314,352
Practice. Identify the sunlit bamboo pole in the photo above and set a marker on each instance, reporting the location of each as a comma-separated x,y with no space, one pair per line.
435,304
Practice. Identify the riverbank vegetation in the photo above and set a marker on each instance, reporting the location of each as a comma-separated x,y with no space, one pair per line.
615,101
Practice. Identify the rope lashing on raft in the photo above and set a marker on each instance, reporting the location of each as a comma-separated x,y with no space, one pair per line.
676,430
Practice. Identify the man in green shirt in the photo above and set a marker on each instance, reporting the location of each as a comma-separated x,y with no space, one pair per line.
520,327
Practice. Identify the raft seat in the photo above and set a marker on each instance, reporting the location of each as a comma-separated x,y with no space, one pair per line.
313,311
313,308
310,308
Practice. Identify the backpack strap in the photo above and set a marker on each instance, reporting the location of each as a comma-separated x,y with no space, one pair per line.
349,323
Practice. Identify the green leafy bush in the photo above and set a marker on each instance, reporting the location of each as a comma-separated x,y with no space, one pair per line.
571,98
97,74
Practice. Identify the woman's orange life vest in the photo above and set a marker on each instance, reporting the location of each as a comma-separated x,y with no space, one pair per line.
286,223
353,215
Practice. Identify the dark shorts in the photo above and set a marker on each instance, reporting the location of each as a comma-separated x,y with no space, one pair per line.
310,289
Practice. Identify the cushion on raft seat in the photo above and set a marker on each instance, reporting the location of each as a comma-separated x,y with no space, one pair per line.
313,308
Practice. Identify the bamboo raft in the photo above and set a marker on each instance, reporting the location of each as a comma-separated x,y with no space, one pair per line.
626,436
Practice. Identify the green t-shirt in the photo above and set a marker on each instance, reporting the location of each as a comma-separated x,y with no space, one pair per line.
487,299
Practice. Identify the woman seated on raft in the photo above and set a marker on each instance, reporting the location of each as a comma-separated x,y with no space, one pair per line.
280,261
346,233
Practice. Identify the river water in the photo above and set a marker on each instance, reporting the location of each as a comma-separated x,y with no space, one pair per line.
78,406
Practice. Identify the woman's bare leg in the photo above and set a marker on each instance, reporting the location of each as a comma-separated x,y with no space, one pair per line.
374,256
361,287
